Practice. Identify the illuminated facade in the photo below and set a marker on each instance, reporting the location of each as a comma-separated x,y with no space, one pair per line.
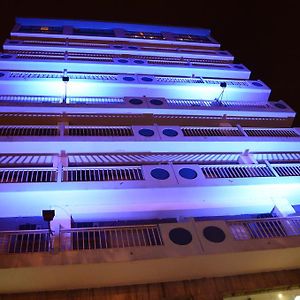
155,150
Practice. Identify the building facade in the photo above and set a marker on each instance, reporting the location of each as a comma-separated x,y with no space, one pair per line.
137,153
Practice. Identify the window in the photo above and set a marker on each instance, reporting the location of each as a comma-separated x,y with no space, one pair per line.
41,29
94,32
144,35
191,38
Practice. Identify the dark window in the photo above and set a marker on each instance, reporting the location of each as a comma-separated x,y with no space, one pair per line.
40,29
144,35
191,38
27,226
94,32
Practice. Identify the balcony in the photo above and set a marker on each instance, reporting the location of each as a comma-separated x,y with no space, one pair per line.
110,237
25,241
136,236
122,255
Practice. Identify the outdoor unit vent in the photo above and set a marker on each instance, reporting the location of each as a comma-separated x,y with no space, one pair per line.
99,131
194,131
28,131
102,174
237,171
180,239
20,175
215,236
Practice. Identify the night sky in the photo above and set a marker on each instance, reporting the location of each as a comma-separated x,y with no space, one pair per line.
262,35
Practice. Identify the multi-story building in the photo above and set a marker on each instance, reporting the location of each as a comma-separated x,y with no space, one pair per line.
158,155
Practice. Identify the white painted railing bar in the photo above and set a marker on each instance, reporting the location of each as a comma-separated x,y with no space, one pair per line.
19,175
264,228
26,241
110,237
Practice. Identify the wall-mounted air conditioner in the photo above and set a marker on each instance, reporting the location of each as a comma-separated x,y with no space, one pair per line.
214,236
180,239
159,176
188,174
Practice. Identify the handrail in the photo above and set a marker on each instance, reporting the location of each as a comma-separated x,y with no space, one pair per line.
26,241
92,238
263,219
24,231
106,228
264,228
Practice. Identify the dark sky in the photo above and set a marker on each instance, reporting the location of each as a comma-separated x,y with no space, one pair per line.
263,35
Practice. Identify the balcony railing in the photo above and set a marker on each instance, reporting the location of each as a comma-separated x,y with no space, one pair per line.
110,237
135,236
21,175
264,228
25,241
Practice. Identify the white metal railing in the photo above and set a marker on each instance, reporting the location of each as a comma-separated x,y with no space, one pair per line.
264,228
26,241
108,57
223,104
287,169
19,175
269,132
32,130
102,173
24,159
110,237
277,157
95,100
236,171
99,130
30,99
151,158
212,131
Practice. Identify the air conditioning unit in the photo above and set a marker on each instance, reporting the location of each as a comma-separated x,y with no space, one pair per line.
180,239
159,176
219,236
215,237
170,133
146,133
188,175
135,102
